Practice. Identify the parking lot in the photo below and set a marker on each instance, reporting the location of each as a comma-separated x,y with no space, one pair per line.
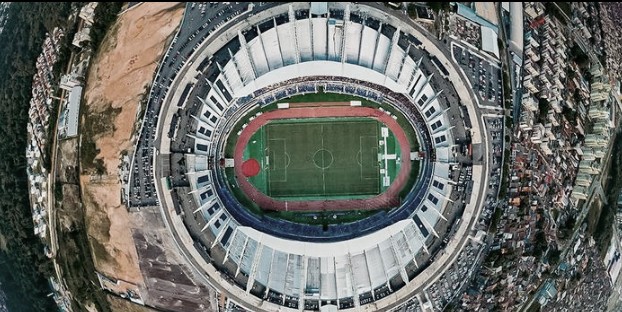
200,20
495,129
484,75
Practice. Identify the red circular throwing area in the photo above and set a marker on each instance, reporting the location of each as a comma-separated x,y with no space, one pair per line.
250,167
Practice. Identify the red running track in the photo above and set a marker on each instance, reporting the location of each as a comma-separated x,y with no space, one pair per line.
389,198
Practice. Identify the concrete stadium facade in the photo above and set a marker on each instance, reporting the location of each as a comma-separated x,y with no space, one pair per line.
273,265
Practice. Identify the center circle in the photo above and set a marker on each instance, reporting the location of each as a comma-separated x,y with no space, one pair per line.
323,159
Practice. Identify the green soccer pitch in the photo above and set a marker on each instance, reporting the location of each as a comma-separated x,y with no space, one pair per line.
318,158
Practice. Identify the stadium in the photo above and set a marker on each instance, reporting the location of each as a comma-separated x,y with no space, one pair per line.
307,160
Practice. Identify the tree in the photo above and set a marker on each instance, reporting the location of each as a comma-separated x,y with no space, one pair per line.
412,10
543,108
23,266
438,6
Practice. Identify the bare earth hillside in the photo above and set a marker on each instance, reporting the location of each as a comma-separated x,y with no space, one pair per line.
118,79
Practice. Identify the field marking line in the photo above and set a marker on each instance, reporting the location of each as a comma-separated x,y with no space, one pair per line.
273,154
323,175
361,153
265,160
286,157
313,158
374,163
386,163
264,164
265,140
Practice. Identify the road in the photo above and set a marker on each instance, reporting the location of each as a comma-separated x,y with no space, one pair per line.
196,27
54,163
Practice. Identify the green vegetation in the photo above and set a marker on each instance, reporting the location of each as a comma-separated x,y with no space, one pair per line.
23,266
577,55
78,268
317,218
95,124
322,97
570,115
230,144
75,256
534,307
505,176
105,15
324,218
603,232
64,54
540,244
412,179
411,9
319,157
509,123
440,5
507,89
543,109
495,220
560,10
336,97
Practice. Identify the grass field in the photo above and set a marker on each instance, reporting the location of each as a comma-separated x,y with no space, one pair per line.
336,97
323,157
307,176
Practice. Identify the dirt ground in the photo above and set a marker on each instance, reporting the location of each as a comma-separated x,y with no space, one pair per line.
68,171
117,80
118,304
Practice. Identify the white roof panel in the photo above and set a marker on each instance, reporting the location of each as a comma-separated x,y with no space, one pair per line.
293,278
287,43
271,42
395,62
319,38
263,269
375,267
335,35
246,264
73,111
277,272
368,46
407,71
404,253
244,66
343,276
259,57
233,77
441,170
320,68
353,40
303,38
319,8
237,246
328,287
382,53
388,258
313,275
361,274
